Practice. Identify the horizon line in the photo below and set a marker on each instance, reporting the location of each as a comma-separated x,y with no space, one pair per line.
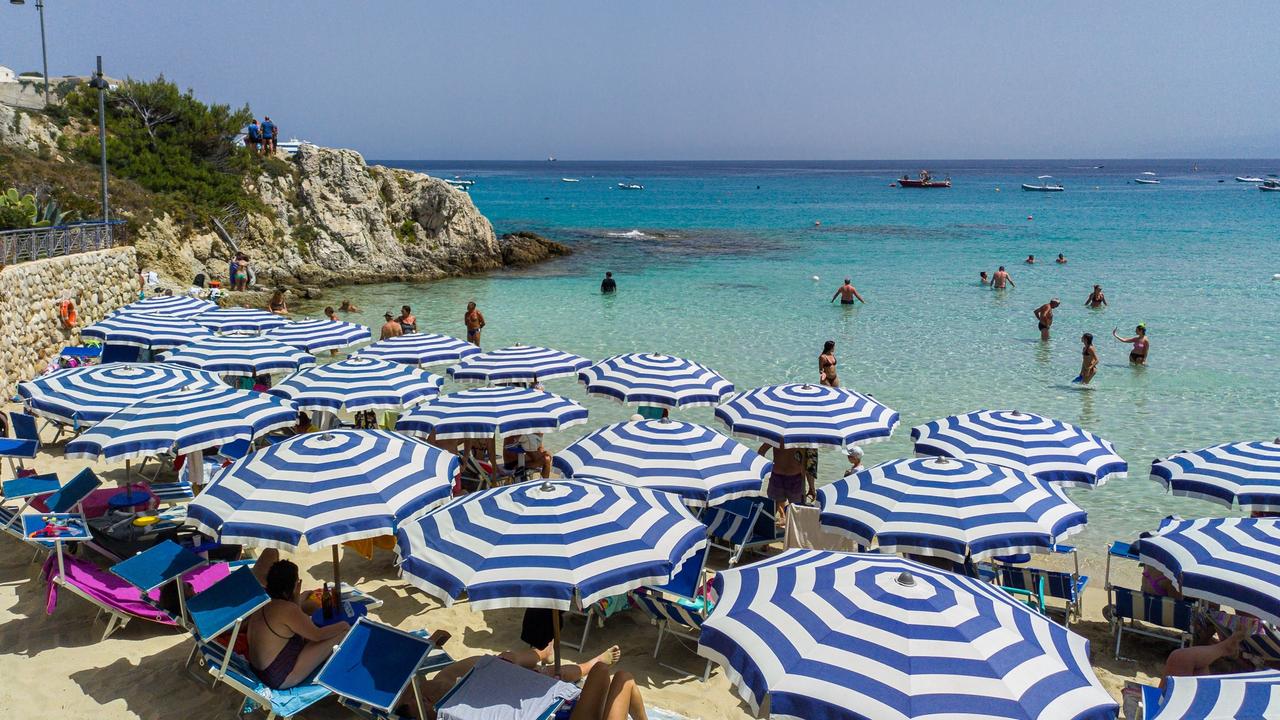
1191,159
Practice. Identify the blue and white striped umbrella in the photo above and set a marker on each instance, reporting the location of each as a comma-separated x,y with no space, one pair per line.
518,364
179,306
240,320
543,544
700,465
359,383
88,394
655,380
183,421
955,509
1239,696
479,413
316,336
1046,448
238,356
807,416
146,330
1231,561
420,349
324,488
873,637
1247,473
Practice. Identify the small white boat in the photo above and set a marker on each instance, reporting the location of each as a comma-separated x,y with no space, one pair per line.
1149,180
1254,180
291,147
463,185
570,180
1044,186
1270,185
630,186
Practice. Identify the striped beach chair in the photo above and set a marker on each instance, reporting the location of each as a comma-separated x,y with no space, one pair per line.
742,524
679,607
1067,588
1154,616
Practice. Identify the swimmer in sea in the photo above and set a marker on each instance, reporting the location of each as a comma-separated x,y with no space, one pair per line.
1141,345
1096,298
1000,278
1088,360
827,365
847,292
1062,259
1031,260
1044,318
983,279
474,321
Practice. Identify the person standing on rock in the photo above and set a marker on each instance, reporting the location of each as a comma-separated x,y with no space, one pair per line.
269,134
391,328
474,321
608,286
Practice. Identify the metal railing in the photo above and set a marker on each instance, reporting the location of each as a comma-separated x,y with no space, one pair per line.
34,243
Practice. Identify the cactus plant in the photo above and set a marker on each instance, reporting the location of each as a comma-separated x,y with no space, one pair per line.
25,211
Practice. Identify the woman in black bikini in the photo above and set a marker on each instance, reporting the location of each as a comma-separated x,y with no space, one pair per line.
285,647
827,365
1088,359
1096,298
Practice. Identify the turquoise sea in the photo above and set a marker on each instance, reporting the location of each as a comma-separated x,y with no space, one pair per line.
716,262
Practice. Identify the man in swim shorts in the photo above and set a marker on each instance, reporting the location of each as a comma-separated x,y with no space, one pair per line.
1000,278
786,482
474,321
392,327
1044,318
847,292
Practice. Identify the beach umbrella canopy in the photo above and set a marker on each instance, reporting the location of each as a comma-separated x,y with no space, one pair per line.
238,356
1046,448
655,380
943,507
146,330
480,413
1246,473
1231,561
358,383
1239,696
545,544
315,336
184,421
420,349
323,488
700,465
179,306
874,637
807,416
240,320
518,364
88,394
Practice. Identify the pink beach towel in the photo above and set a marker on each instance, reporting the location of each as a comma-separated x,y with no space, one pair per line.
117,594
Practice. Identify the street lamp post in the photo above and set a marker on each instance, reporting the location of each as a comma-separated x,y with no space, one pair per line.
44,52
100,84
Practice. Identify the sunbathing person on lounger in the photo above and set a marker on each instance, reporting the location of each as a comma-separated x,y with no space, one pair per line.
285,646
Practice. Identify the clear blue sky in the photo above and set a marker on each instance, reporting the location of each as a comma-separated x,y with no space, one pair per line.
701,80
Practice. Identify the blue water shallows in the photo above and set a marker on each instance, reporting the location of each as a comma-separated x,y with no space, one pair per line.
715,262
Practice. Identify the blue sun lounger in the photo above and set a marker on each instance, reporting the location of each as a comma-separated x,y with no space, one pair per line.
24,444
223,608
678,608
376,664
742,524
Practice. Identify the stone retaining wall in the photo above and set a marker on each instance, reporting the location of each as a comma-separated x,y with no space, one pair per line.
31,329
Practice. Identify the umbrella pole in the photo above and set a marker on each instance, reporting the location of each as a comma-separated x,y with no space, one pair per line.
555,634
337,576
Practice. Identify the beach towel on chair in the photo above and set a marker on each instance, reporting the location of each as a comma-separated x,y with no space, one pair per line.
115,593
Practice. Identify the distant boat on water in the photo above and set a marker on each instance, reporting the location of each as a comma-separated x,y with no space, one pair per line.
1254,180
1044,186
1270,185
570,180
461,184
1149,180
925,180
630,186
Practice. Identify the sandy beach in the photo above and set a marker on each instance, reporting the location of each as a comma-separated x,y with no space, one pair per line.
57,662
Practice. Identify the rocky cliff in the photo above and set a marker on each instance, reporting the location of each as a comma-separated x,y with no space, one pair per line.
326,218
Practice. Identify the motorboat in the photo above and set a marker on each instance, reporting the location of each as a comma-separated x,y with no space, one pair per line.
570,180
1254,180
1150,179
464,185
1044,186
630,186
924,180
1270,185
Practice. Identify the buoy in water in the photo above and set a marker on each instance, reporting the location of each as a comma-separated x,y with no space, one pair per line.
817,223
1030,218
997,189
1276,276
816,278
